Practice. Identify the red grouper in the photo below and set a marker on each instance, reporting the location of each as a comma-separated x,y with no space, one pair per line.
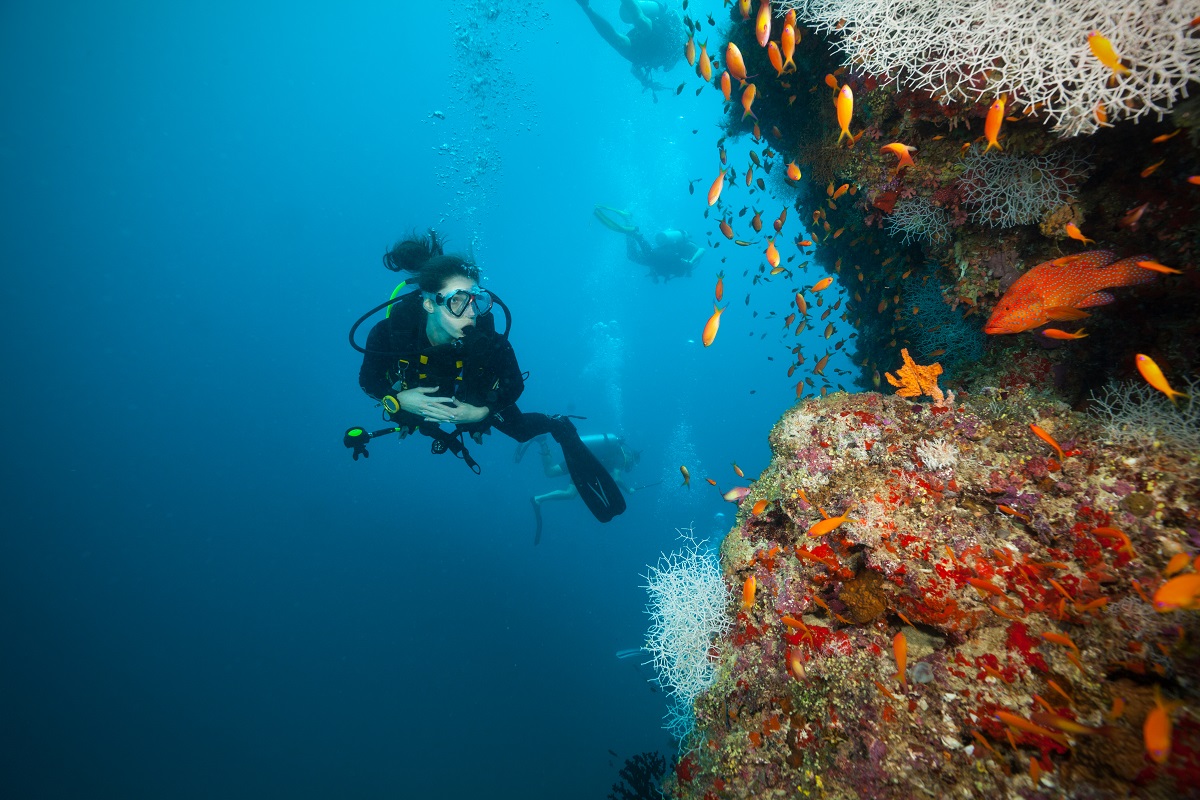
1058,289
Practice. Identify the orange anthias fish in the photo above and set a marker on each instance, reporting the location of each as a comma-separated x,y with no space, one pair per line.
775,57
900,650
991,126
1073,231
1102,49
744,7
901,151
1156,730
845,110
1055,333
748,100
714,191
822,284
705,63
793,171
787,43
713,324
687,477
748,589
1179,593
689,50
726,85
772,254
1052,291
726,230
1048,439
720,286
1154,376
762,23
734,62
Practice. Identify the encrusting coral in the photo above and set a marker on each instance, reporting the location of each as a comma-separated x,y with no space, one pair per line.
1021,586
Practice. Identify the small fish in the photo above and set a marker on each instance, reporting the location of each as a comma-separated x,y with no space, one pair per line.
687,477
1156,267
900,651
901,151
829,330
1178,563
1156,730
713,324
735,63
749,587
762,23
845,110
1022,724
689,51
726,85
1055,333
720,291
1154,376
1166,136
1066,725
1179,593
736,494
780,220
822,284
793,171
991,126
1053,291
1073,231
1060,639
1048,439
819,369
800,304
775,57
1102,49
831,82
705,68
747,101
986,586
1100,114
710,481
804,243
841,190
787,43
1131,218
744,7
714,191
759,507
1148,171
771,253
830,523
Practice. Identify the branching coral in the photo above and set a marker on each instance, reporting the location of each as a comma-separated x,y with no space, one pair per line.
1008,189
918,218
932,325
1037,53
937,454
641,778
688,608
1134,413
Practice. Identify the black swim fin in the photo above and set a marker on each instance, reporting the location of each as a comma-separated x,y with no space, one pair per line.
596,486
537,515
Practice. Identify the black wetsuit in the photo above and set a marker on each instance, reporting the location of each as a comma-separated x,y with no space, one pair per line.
480,369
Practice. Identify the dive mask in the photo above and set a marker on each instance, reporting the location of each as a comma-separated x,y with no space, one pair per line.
456,302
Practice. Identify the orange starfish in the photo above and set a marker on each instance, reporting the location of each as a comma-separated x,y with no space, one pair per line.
915,380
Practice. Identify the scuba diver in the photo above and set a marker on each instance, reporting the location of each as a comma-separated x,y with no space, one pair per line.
655,40
673,254
437,359
612,452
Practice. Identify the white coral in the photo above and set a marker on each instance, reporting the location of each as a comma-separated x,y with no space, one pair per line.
937,454
1009,189
1035,52
918,218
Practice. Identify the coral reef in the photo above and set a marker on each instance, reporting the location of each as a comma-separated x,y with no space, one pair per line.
918,219
1136,415
1009,189
1037,53
640,778
985,559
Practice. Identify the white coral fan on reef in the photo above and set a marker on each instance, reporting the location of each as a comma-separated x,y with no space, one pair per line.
917,218
1035,52
1008,189
688,609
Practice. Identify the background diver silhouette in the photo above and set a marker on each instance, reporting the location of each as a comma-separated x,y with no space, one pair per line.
654,40
437,358
610,450
673,254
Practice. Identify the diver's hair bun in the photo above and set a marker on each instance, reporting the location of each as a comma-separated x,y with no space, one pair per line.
411,254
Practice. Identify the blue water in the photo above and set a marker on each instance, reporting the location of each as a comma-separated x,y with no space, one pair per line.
201,594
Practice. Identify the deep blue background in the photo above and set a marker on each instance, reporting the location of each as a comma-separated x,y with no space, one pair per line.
201,595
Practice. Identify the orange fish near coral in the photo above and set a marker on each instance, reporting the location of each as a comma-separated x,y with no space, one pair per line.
1156,730
705,63
1055,333
901,151
845,110
747,101
1179,593
720,286
726,85
713,324
1103,50
734,62
991,126
1154,376
1054,292
776,58
793,171
900,650
748,590
772,253
689,50
787,43
762,23
822,284
1073,231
